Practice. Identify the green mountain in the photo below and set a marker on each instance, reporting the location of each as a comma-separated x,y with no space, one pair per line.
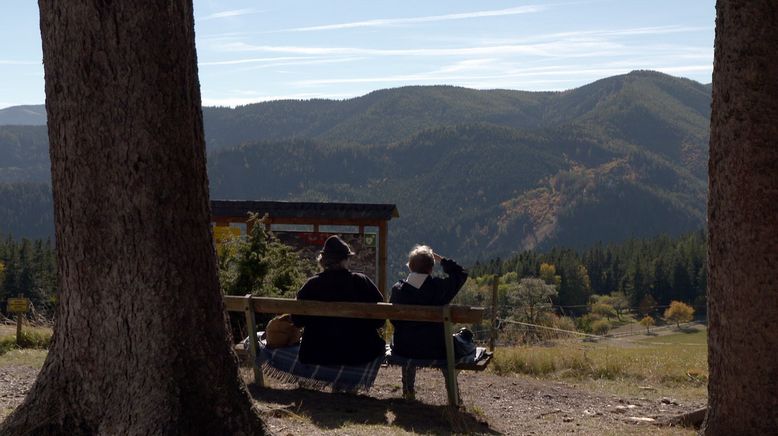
24,154
643,108
474,173
28,115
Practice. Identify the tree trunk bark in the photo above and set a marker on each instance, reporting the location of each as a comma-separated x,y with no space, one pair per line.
743,222
140,343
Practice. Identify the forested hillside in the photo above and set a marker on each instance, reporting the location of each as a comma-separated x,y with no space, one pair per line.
475,173
652,272
26,210
24,154
28,268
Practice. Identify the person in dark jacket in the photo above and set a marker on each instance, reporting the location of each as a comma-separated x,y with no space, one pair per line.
332,340
416,339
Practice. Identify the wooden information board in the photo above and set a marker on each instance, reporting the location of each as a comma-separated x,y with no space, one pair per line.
18,305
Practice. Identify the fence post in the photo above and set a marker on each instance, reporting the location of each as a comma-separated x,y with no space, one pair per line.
451,379
493,332
251,326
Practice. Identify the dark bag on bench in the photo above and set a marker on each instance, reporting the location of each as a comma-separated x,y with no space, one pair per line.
463,343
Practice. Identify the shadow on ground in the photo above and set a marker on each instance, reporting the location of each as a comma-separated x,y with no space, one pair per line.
330,411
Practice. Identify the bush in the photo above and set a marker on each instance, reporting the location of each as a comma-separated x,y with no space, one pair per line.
603,309
261,265
584,323
679,312
647,322
601,326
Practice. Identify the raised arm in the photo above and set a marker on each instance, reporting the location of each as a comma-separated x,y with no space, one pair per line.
450,285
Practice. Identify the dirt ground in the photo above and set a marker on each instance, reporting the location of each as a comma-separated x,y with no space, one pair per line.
513,405
15,381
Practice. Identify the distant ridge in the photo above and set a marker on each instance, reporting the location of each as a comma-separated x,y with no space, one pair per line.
28,115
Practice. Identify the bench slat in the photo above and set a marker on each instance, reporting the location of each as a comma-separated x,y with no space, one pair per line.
404,312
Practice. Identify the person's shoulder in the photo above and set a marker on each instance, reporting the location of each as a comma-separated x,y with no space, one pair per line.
313,279
359,275
362,278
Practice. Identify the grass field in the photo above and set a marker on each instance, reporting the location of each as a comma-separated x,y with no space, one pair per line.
675,363
24,357
32,338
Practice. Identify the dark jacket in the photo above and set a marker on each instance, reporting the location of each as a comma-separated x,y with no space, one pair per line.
424,340
339,341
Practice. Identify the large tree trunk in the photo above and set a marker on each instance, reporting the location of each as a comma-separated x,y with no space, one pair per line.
743,222
140,344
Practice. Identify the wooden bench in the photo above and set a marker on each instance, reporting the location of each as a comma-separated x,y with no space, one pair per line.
448,315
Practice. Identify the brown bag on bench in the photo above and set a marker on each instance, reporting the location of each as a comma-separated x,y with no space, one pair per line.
281,332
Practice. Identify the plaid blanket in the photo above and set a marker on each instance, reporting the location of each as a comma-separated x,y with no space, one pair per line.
283,364
394,359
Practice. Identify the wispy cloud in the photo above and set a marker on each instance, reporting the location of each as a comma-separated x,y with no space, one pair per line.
588,34
309,61
505,75
602,42
554,48
254,60
384,22
231,13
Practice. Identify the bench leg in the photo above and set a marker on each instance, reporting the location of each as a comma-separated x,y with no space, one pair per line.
451,380
251,326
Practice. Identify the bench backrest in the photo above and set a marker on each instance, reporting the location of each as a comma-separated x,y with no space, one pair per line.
404,312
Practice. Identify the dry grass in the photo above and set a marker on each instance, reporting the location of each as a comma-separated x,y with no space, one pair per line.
32,337
678,360
23,357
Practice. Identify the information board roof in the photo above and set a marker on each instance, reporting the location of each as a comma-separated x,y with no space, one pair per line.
293,209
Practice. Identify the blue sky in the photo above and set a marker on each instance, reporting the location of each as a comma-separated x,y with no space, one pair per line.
253,51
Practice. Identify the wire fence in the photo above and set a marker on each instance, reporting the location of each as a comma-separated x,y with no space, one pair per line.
619,337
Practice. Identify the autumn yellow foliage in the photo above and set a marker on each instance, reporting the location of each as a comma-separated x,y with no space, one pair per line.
679,312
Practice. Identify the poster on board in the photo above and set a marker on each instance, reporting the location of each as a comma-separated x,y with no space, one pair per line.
308,244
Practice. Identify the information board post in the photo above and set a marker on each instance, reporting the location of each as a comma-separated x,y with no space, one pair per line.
19,306
18,329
